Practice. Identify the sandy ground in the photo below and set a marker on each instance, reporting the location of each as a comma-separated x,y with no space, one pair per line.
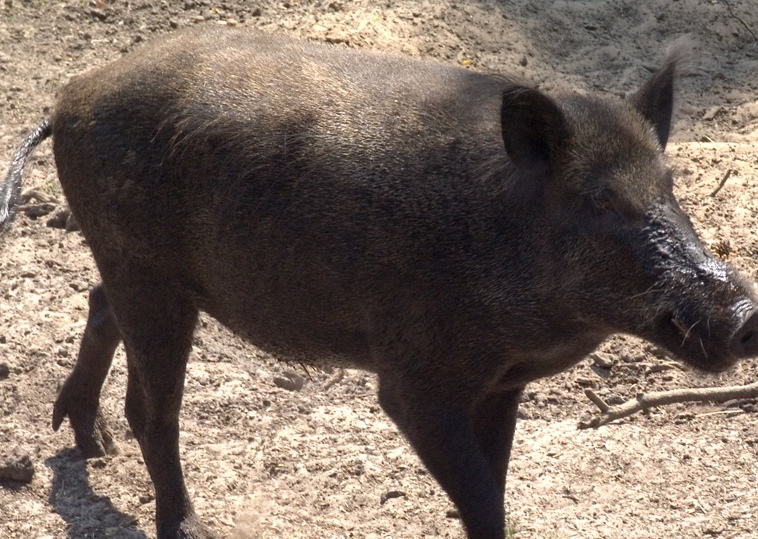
264,462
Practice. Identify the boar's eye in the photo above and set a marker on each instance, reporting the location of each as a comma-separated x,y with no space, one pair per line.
603,203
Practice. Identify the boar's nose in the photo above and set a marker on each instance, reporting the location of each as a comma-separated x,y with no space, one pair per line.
745,340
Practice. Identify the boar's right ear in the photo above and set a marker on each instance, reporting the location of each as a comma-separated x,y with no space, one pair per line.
655,100
533,129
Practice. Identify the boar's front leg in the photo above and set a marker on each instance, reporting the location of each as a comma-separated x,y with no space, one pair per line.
79,399
157,320
441,430
494,422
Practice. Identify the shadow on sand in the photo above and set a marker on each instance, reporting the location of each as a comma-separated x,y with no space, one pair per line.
86,513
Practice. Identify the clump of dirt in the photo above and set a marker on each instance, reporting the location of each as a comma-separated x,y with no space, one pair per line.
264,460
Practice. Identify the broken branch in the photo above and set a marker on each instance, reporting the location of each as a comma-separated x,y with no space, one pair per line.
731,13
723,182
645,401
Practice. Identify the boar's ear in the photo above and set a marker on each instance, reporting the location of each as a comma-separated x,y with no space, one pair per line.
655,100
533,129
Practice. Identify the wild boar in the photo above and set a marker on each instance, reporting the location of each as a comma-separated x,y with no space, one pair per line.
460,234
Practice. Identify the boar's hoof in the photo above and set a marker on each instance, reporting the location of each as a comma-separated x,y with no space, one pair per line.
192,528
97,441
91,432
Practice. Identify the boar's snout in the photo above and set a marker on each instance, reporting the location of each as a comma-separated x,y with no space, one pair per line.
744,342
712,341
707,314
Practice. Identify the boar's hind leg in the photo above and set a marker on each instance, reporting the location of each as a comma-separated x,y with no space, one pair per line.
79,399
441,432
157,320
494,422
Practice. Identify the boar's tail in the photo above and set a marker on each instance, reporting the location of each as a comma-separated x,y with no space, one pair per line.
680,53
10,189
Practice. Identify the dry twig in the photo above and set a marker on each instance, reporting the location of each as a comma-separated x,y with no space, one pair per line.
661,398
723,182
731,13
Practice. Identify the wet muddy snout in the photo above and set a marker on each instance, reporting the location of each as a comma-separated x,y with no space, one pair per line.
744,342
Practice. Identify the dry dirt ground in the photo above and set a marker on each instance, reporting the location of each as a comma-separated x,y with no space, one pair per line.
266,462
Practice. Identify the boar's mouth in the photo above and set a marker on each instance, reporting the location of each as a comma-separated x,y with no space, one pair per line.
711,344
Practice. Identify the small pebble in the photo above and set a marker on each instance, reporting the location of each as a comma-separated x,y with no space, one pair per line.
602,360
391,494
289,381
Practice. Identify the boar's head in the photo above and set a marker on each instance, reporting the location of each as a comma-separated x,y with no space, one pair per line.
623,254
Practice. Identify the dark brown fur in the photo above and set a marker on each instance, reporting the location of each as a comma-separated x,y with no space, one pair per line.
459,234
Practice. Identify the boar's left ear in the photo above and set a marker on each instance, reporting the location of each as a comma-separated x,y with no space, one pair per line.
533,129
655,100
